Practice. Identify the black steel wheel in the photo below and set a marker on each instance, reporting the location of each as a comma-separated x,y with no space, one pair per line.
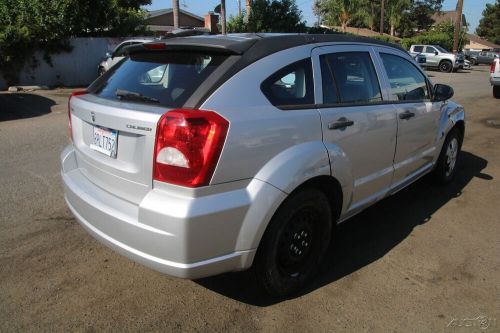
295,243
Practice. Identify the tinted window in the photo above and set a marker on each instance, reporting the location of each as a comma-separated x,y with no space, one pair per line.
418,48
169,77
407,82
429,49
291,85
349,77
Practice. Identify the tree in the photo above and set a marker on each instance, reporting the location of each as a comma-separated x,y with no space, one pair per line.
263,18
489,25
418,17
341,12
27,26
395,11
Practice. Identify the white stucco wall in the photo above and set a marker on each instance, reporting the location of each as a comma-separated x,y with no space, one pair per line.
76,68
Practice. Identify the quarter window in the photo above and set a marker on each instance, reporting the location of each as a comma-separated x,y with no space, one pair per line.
407,82
291,86
349,77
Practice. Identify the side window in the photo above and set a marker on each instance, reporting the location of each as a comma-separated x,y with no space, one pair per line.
349,77
407,82
430,49
419,49
292,85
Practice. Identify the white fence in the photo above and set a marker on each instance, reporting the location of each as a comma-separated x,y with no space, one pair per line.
75,68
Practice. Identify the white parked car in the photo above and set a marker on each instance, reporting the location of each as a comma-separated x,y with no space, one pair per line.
117,54
495,77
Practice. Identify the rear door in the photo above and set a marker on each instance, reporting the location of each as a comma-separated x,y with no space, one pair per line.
114,125
355,117
417,116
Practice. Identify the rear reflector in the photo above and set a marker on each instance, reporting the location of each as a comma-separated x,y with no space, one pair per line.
188,146
70,127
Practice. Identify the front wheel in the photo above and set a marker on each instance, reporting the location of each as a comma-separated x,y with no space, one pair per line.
473,62
496,91
447,161
295,243
445,66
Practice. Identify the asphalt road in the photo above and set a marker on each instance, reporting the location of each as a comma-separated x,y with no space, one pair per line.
426,259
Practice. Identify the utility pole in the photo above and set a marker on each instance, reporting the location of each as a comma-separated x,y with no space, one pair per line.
249,8
175,11
382,17
239,7
223,16
458,25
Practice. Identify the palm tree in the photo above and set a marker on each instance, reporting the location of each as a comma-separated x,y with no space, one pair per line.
395,10
341,12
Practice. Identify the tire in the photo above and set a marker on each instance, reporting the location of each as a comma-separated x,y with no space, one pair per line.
101,71
446,165
445,66
496,91
473,62
295,243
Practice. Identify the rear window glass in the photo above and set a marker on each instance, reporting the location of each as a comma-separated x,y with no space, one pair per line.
163,78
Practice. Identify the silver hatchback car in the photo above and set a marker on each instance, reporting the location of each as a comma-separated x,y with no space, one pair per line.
203,155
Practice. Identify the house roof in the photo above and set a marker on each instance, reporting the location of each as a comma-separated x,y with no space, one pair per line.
479,40
447,15
159,12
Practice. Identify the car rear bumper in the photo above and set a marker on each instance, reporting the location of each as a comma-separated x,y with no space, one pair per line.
177,235
495,80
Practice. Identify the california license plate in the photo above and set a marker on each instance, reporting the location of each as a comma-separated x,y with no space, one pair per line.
105,141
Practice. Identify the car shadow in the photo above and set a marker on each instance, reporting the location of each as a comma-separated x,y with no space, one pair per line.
23,105
366,237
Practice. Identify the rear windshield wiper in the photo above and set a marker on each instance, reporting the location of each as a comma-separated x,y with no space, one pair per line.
130,95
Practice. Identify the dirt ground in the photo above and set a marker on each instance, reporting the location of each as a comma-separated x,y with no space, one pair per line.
426,259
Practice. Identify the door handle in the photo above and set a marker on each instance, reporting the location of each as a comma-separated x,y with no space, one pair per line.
406,115
341,123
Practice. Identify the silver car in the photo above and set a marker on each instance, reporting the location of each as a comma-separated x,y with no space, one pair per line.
211,154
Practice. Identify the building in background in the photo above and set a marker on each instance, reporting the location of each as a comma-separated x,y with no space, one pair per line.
477,43
162,20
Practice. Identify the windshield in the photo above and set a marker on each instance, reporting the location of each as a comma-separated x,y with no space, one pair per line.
441,49
163,78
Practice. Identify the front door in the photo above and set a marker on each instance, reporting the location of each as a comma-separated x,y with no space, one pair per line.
417,116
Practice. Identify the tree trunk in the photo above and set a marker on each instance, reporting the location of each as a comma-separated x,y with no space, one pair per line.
223,16
392,30
344,26
175,10
249,8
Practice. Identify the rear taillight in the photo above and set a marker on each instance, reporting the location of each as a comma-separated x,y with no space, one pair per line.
70,128
492,66
188,146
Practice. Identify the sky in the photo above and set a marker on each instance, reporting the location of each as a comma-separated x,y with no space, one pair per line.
472,8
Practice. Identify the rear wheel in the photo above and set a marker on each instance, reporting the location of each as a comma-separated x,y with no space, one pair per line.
446,66
473,62
295,243
496,91
447,161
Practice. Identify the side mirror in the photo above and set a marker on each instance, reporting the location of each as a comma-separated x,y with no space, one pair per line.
109,55
442,92
436,52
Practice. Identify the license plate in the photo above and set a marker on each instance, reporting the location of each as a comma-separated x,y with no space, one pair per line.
105,141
